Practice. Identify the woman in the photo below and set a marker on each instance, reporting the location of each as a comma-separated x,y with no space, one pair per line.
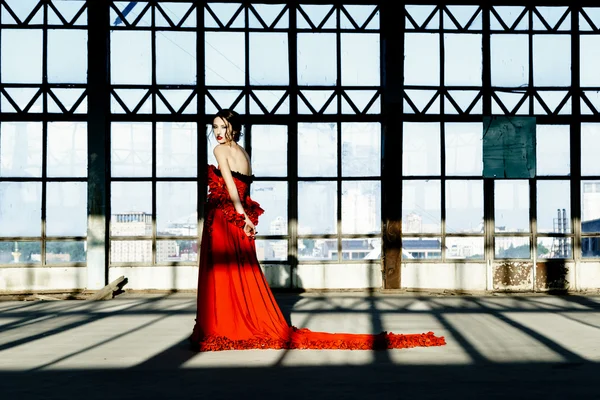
236,308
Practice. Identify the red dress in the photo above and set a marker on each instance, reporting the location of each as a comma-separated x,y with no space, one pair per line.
236,308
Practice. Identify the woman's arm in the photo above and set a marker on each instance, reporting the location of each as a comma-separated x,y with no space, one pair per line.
220,153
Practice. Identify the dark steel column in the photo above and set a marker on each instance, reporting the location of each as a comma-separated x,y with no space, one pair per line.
392,54
98,144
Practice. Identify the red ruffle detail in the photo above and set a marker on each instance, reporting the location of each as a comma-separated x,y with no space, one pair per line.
218,196
253,210
304,339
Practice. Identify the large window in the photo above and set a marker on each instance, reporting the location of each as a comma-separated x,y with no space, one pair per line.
355,120
153,146
43,133
442,185
318,174
522,58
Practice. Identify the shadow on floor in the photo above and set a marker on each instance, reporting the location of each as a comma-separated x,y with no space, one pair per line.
519,381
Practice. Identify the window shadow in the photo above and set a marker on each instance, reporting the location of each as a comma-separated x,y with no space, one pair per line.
89,317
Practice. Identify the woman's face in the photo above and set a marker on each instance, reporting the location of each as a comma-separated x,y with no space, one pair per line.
222,130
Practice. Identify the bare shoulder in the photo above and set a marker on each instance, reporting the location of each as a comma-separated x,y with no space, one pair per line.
221,149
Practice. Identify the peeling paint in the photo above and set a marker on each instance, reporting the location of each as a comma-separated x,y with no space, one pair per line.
513,275
392,254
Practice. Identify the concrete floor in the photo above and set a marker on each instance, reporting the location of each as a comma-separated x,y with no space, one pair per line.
134,346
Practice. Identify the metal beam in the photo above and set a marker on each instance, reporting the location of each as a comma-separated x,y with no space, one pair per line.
392,54
98,145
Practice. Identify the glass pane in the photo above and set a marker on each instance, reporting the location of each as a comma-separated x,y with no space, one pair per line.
317,249
176,208
590,206
463,15
554,247
464,150
131,251
421,148
270,100
23,97
512,247
553,150
322,101
317,208
552,60
67,149
66,209
421,248
19,48
22,9
273,198
363,101
180,100
272,250
68,97
552,15
131,209
469,248
361,207
421,206
176,58
317,149
65,252
131,57
269,150
554,206
132,99
176,250
131,149
269,59
360,14
268,13
589,55
361,249
511,204
69,9
592,13
317,59
590,144
131,12
225,13
422,59
361,149
225,58
420,14
318,14
20,252
20,209
509,147
590,247
67,56
509,15
372,247
21,149
510,60
464,207
463,59
176,149
361,64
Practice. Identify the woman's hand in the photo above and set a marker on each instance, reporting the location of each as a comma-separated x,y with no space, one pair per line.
249,228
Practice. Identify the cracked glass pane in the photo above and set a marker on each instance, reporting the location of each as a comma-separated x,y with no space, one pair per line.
509,147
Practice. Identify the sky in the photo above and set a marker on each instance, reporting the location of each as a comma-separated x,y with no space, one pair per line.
21,62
